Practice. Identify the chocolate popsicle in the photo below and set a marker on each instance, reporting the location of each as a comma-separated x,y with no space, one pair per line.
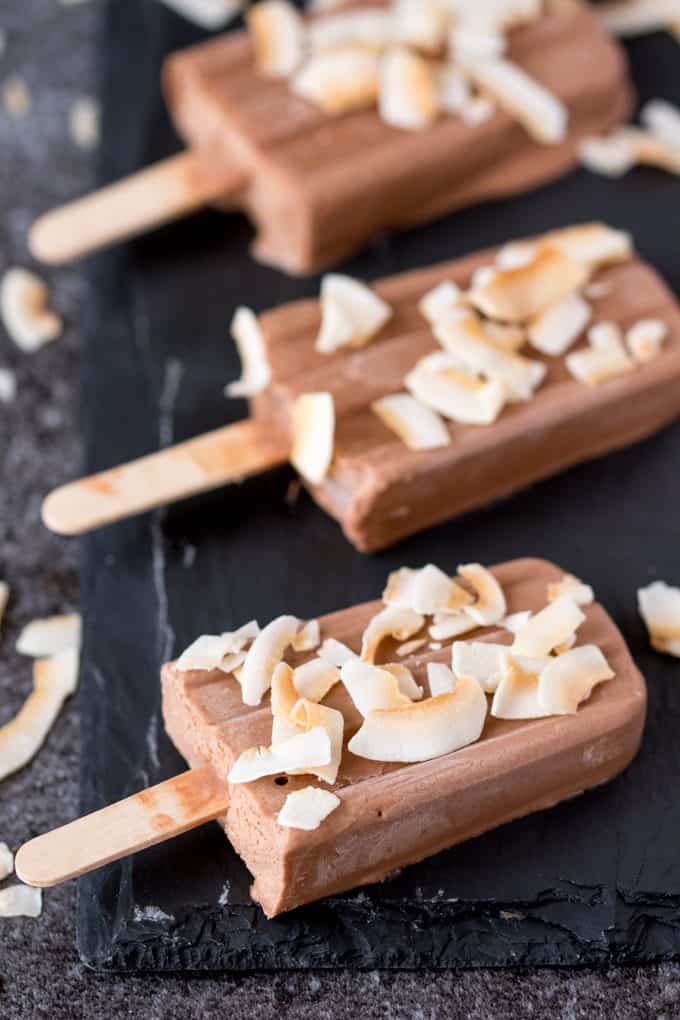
379,490
318,187
392,815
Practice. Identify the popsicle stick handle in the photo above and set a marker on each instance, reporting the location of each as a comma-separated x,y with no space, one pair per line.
140,821
226,455
156,195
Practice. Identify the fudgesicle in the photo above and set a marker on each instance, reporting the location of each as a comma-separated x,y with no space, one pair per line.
542,702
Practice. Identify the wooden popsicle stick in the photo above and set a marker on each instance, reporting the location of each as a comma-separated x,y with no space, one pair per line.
226,455
161,193
149,817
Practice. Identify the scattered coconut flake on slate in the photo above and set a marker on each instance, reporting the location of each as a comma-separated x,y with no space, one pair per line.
24,310
250,344
659,605
662,119
6,861
307,808
208,14
8,385
83,123
16,96
313,436
50,635
20,901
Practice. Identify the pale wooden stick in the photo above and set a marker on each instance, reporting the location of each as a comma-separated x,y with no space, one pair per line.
207,462
140,821
163,192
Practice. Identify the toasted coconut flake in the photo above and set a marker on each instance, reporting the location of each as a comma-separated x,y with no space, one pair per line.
408,97
457,395
352,313
515,621
508,338
580,593
426,591
4,598
339,81
541,113
278,36
441,679
425,730
566,645
516,696
371,687
314,679
645,339
516,254
264,655
418,426
307,808
6,861
50,635
637,17
309,716
20,901
16,96
612,155
54,679
8,385
469,44
308,638
305,752
440,301
481,276
483,661
283,729
368,29
420,24
659,605
548,628
313,436
284,696
255,370
435,646
24,310
593,244
453,90
471,349
219,651
489,606
336,653
401,624
555,329
662,119
405,680
83,123
520,294
490,14
597,290
450,625
605,357
570,678
409,647
477,110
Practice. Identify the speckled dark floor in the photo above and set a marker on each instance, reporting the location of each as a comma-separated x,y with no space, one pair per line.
51,46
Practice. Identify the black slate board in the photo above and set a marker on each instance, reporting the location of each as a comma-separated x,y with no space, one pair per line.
594,880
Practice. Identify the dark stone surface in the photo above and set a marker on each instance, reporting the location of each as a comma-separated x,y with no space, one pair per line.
40,974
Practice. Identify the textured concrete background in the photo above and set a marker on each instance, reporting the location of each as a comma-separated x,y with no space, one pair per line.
52,46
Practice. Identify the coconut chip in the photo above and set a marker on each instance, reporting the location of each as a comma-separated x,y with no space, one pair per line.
16,96
314,679
662,119
659,605
217,651
405,680
439,302
542,114
351,313
401,624
284,698
580,593
277,33
515,621
371,29
425,730
48,636
305,752
54,679
264,655
308,638
419,427
516,696
24,311
483,661
477,110
508,338
593,244
441,679
645,338
472,44
410,647
426,591
6,861
408,96
372,687
20,901
558,327
549,628
420,24
570,678
83,123
605,358
308,715
616,153
489,606
336,653
449,625
8,385
255,370
520,294
307,808
456,394
339,81
313,436
638,17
